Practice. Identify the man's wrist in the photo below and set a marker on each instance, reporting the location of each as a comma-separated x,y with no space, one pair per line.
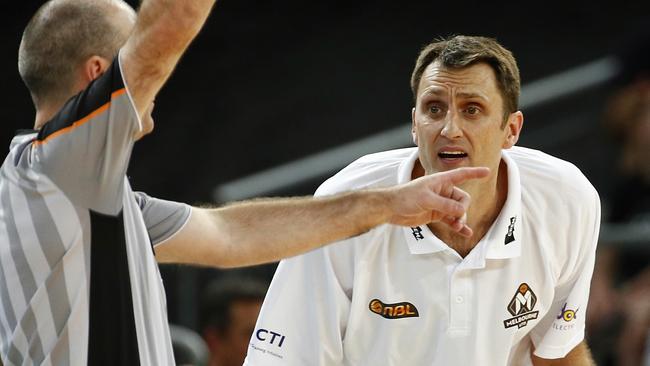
377,205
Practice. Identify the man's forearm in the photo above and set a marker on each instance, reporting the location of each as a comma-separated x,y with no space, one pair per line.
294,225
267,230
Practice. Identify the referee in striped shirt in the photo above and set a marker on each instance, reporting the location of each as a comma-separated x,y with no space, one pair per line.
79,282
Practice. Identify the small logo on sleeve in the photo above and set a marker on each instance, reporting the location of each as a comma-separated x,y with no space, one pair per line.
270,342
510,235
417,233
521,307
393,311
567,314
270,337
565,320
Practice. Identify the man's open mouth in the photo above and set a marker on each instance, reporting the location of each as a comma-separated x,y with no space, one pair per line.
452,154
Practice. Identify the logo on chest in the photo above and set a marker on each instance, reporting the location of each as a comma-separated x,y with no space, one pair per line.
521,307
393,311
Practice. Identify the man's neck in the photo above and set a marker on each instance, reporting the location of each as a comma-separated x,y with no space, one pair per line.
45,113
488,199
47,108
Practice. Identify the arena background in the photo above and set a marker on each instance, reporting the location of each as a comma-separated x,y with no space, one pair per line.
267,83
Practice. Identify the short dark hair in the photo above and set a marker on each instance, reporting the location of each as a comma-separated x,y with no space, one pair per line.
463,51
59,37
220,294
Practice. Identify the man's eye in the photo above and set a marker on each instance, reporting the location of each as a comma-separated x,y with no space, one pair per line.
472,110
435,109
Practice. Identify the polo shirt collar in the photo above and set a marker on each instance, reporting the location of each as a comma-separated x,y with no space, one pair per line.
503,239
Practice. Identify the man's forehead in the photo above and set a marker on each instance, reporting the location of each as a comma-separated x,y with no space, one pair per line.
476,79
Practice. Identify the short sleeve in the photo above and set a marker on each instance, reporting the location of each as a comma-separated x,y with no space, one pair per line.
304,315
85,148
162,218
563,328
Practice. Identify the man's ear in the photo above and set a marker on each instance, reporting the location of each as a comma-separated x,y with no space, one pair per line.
94,67
513,128
413,132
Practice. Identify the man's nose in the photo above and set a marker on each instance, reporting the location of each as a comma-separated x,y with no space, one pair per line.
452,128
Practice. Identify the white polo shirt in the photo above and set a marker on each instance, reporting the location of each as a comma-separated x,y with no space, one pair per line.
400,296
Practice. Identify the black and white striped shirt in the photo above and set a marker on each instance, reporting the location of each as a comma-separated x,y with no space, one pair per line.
79,283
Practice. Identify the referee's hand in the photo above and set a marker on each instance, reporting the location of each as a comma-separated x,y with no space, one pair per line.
435,198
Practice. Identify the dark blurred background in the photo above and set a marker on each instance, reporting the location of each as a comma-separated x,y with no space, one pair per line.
268,83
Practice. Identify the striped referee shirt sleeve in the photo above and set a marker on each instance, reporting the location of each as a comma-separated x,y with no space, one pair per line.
163,218
85,148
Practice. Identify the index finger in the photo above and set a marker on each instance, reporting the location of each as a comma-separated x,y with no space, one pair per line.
461,175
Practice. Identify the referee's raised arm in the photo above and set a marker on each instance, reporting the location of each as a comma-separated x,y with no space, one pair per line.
162,32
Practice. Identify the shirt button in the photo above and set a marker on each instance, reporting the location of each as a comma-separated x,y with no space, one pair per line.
459,299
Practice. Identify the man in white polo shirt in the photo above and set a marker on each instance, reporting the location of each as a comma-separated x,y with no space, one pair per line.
513,293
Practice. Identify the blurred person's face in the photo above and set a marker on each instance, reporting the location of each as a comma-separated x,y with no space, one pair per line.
229,348
458,119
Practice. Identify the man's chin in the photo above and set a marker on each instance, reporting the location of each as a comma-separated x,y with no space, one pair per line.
449,164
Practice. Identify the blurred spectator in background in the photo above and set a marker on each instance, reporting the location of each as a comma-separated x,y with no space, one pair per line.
229,308
189,347
618,319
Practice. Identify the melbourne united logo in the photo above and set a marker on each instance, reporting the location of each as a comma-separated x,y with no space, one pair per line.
521,307
393,311
510,235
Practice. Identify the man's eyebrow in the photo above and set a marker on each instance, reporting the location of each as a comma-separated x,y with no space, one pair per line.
465,95
435,91
472,95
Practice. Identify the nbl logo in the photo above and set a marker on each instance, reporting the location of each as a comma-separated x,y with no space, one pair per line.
521,307
393,311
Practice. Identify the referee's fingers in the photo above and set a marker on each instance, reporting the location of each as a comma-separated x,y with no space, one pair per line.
460,175
461,196
445,206
458,225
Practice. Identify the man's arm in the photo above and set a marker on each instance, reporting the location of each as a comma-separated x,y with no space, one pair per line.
162,32
579,356
268,230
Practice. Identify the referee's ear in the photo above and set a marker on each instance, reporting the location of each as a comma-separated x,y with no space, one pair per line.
90,70
94,67
513,128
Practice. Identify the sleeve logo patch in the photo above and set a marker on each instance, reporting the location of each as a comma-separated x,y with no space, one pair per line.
270,337
521,307
268,342
393,311
565,320
567,314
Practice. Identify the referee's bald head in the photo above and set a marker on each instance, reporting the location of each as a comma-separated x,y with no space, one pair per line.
62,35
